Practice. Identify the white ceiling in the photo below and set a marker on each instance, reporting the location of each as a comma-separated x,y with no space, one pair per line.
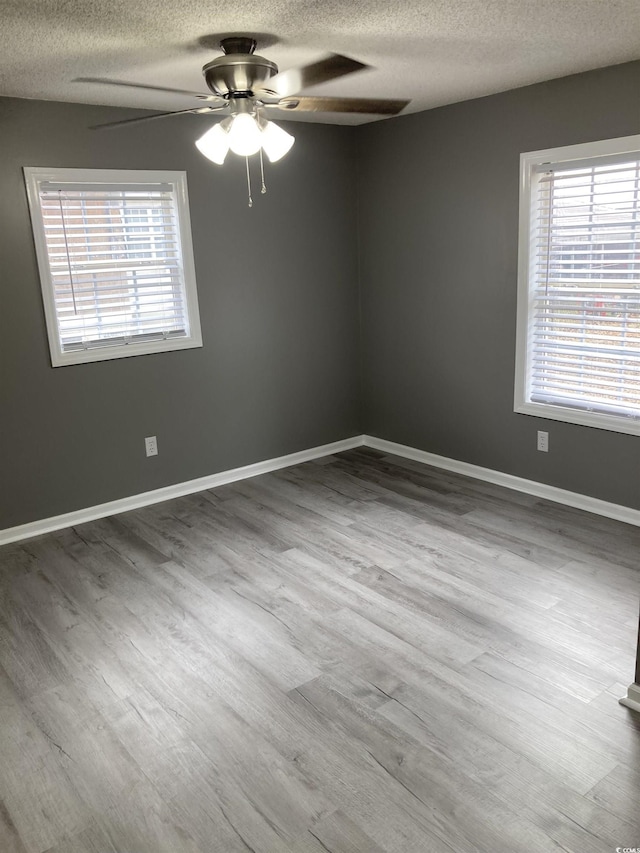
432,51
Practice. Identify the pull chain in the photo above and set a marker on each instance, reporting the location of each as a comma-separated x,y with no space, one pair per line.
263,189
249,183
549,223
66,248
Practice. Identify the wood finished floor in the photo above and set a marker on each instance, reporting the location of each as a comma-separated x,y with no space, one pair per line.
357,655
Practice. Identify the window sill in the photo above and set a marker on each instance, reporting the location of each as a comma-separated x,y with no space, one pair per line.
613,423
61,359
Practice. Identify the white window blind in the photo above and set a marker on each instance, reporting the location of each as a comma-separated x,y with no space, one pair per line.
114,263
584,286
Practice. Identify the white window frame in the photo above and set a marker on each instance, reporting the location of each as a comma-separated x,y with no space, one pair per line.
34,177
529,163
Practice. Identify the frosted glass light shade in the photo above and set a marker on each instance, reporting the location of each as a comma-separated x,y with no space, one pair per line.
214,144
276,142
245,137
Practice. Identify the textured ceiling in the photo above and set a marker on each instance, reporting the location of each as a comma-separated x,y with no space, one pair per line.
432,51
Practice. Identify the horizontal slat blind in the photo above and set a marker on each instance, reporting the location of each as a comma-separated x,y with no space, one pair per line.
584,349
115,263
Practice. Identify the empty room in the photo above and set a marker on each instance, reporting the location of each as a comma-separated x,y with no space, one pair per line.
320,427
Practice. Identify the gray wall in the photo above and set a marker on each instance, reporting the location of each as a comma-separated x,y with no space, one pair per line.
438,220
279,309
434,215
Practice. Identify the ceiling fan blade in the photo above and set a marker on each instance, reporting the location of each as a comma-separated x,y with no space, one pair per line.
193,111
105,81
296,79
367,106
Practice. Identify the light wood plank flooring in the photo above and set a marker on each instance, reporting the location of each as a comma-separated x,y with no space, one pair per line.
356,655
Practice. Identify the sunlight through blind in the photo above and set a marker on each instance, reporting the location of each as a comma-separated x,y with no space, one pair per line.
585,297
115,262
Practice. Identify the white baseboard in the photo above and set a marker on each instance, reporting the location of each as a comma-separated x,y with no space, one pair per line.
509,481
519,484
69,519
632,699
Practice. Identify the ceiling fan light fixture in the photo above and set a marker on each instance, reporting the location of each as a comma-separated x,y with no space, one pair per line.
214,144
276,142
245,137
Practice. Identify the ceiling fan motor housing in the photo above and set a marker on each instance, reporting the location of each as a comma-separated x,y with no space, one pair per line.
239,70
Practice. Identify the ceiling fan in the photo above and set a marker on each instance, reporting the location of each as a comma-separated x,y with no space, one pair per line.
247,87
240,74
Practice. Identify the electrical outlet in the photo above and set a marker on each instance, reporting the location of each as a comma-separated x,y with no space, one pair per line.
543,441
151,445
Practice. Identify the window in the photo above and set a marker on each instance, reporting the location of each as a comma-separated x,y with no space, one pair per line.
116,262
578,341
